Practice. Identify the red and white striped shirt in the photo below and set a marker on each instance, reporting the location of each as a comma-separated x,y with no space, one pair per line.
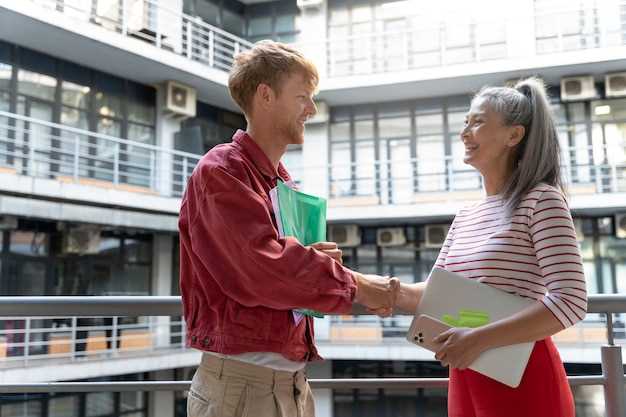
533,253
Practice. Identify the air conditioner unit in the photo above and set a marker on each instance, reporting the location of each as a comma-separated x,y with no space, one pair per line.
322,114
435,235
390,236
615,84
309,4
578,88
81,240
345,235
578,226
620,225
8,222
141,17
180,100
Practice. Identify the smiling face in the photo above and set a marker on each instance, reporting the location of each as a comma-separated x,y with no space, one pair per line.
489,142
292,107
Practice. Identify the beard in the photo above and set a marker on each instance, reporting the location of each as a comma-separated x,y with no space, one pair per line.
293,132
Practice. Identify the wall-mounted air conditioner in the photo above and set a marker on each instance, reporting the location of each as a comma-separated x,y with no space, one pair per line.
345,235
390,236
180,100
620,225
81,240
435,235
578,88
615,84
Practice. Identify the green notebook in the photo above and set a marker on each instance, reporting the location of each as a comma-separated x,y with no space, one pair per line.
302,216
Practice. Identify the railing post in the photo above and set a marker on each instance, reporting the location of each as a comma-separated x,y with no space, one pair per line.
26,339
76,158
114,336
211,48
189,40
73,339
116,164
613,373
124,19
153,170
184,178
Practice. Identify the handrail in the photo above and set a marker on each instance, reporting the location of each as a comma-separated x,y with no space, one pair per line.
90,306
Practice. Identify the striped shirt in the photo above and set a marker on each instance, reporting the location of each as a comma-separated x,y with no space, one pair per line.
532,253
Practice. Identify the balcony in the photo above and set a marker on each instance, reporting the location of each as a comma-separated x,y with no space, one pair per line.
141,40
51,161
40,308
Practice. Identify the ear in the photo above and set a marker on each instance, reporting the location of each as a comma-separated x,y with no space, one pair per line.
516,135
264,95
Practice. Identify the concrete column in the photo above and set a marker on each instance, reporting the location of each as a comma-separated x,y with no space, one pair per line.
315,156
323,397
161,283
161,403
166,127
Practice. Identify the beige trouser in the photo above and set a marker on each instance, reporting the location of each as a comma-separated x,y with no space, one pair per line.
228,388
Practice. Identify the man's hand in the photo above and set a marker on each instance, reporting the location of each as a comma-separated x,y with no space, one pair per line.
329,248
376,293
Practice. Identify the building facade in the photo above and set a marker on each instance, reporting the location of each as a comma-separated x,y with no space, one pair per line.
107,105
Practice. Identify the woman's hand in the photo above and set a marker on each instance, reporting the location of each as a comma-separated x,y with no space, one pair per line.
460,347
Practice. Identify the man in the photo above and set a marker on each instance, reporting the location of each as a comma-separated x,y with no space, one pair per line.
240,281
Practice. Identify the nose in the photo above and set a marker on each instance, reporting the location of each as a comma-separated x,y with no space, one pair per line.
464,133
311,108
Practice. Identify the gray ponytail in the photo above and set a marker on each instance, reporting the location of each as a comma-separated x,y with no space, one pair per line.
537,157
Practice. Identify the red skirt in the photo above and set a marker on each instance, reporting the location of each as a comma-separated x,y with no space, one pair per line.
543,392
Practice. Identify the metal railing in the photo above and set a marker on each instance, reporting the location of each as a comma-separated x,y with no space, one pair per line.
612,378
423,42
432,41
43,149
161,26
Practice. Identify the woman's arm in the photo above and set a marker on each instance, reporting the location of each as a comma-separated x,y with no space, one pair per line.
409,296
463,345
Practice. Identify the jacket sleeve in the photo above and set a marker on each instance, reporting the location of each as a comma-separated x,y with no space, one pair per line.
235,241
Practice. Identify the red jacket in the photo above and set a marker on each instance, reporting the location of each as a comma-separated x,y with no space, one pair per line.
239,281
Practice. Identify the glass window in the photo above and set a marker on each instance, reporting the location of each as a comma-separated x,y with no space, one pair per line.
208,11
29,243
340,183
66,406
141,113
99,404
36,85
137,250
107,105
285,23
232,22
395,127
429,123
260,26
74,95
21,409
365,168
340,131
140,133
5,76
608,110
363,129
130,401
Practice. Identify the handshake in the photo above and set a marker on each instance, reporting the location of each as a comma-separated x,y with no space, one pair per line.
378,294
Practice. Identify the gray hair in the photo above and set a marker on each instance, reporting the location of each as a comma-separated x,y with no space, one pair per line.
537,157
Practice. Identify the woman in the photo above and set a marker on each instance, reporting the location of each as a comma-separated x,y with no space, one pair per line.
520,239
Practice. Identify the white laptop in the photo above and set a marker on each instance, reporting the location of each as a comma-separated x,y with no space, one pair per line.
447,295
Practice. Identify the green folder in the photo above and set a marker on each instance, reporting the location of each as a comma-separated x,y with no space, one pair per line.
302,216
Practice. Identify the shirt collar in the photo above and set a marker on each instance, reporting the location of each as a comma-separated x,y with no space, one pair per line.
258,157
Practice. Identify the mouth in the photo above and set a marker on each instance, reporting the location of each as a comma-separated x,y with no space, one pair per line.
470,148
